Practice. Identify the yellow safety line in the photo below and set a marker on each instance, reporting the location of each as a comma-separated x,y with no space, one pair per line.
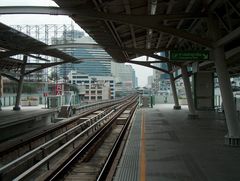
142,152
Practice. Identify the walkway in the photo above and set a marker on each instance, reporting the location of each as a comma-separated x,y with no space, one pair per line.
175,148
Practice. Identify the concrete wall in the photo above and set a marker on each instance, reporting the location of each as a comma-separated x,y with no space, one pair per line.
26,125
203,90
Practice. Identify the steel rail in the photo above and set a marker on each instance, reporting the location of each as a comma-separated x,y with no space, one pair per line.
47,159
107,166
93,140
41,148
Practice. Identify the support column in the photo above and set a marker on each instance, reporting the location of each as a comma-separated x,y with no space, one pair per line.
233,136
188,91
227,96
173,86
20,85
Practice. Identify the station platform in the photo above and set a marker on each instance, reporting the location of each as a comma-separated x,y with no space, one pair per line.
165,145
8,116
14,123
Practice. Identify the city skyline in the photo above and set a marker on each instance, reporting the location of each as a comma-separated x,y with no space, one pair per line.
141,72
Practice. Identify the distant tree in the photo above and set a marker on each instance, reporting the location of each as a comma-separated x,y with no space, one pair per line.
53,76
30,88
73,88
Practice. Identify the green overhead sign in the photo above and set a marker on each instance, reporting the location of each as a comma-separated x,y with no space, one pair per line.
179,55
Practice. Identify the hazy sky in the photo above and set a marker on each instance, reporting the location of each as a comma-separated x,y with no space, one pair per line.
141,72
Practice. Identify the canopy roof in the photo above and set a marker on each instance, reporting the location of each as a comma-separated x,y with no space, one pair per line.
127,29
131,28
13,42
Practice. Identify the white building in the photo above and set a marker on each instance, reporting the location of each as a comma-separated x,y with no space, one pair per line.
96,87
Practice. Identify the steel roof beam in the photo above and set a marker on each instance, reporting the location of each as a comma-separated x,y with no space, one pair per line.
187,10
8,75
149,21
152,6
90,13
234,7
30,51
38,57
232,52
128,11
229,37
111,27
33,10
75,45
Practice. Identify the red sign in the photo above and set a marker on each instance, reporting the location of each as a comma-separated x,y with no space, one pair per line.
59,89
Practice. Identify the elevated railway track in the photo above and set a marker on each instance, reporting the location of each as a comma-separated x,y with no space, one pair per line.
50,155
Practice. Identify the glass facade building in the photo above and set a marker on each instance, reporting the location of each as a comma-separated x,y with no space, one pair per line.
94,62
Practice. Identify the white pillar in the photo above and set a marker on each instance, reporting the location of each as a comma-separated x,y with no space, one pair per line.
188,92
226,93
173,86
20,85
233,136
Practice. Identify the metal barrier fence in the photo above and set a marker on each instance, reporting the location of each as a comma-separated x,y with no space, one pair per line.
36,99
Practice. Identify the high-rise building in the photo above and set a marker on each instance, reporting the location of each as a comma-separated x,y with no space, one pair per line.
149,81
124,74
94,62
161,82
136,81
